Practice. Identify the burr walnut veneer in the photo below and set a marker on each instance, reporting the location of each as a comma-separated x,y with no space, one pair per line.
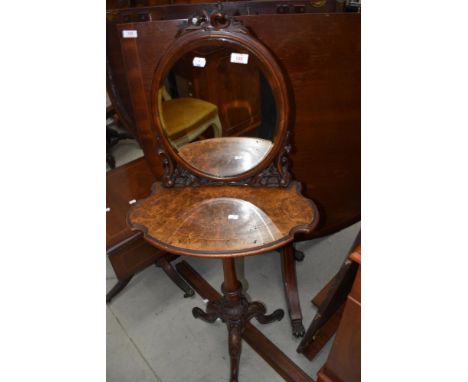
223,221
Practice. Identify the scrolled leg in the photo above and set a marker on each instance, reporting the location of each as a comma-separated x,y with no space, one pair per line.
209,317
257,309
277,315
234,309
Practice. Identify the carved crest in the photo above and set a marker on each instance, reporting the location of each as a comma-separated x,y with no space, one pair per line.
217,20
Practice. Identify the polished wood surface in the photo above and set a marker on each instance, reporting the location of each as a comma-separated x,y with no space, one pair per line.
219,221
226,156
328,329
330,302
320,52
127,251
344,361
184,7
124,184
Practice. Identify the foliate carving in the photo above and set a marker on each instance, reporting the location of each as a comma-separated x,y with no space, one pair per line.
234,309
168,168
277,173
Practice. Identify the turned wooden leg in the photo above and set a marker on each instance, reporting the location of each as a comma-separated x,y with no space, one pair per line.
234,309
240,272
288,267
117,288
174,276
235,306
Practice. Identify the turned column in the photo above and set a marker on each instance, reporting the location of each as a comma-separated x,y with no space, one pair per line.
233,300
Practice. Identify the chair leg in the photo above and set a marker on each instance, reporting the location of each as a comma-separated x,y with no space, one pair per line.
117,288
217,128
288,268
167,267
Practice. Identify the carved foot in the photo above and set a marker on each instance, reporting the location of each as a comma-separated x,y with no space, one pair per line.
235,340
277,315
209,317
297,328
298,255
257,309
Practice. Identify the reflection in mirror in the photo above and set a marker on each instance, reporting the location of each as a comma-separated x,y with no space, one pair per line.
218,110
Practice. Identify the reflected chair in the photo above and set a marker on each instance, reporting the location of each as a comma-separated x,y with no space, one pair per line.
186,118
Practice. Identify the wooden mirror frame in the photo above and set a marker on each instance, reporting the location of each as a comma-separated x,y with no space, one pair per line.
217,27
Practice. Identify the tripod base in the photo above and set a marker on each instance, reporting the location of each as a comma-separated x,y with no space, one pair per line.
234,310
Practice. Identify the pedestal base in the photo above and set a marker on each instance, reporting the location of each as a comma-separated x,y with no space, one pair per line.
266,349
234,310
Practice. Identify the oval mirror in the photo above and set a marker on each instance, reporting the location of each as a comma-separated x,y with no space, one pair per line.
217,109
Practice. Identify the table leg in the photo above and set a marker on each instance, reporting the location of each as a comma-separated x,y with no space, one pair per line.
117,288
288,267
240,272
234,309
174,276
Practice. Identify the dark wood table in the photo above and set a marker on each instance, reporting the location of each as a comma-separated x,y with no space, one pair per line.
225,222
128,253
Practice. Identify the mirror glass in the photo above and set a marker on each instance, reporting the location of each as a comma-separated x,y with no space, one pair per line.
218,110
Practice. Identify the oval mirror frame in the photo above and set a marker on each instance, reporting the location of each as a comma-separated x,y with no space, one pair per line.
234,37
